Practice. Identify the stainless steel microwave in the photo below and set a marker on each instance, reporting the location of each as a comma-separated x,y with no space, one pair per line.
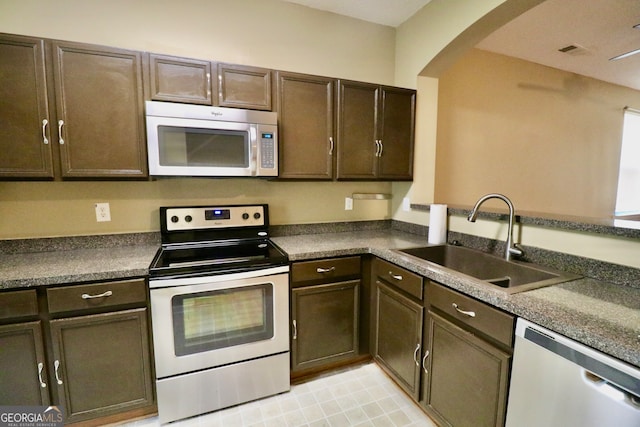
196,140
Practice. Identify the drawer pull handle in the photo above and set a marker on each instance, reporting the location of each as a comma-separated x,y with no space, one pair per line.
56,365
325,270
395,276
295,330
40,368
424,362
102,295
415,355
465,312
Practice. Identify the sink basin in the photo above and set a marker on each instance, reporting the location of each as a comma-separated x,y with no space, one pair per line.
509,276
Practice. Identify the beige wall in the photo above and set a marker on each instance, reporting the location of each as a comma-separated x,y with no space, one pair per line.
264,33
548,139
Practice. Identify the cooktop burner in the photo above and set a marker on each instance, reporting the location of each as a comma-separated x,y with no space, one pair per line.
205,240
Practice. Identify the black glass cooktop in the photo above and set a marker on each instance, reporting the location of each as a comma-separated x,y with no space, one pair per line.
216,258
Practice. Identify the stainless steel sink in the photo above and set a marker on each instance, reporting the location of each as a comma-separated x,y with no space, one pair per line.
509,276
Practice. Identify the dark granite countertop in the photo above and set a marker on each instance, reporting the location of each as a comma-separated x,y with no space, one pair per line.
596,313
599,314
22,270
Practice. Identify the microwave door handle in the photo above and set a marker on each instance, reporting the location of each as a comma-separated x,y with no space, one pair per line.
253,150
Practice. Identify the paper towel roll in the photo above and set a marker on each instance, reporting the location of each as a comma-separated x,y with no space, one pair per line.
437,224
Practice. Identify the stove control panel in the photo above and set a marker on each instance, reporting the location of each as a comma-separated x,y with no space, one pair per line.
214,217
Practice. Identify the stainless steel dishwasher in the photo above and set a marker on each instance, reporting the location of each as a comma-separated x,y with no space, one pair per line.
557,382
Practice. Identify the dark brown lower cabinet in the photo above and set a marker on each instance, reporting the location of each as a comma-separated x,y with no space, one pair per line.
466,378
22,365
398,337
102,363
467,359
84,347
324,324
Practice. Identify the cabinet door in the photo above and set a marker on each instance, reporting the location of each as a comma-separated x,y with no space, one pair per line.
180,80
397,136
467,379
244,87
305,131
25,141
358,144
102,362
100,116
398,337
325,324
22,365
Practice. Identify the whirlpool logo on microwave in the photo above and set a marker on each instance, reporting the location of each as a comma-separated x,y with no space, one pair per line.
31,416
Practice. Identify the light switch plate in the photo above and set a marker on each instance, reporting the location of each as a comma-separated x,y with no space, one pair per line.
406,204
348,204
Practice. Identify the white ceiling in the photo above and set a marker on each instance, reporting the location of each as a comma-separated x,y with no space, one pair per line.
385,12
601,28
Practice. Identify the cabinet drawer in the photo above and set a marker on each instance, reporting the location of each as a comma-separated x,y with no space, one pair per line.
476,314
326,270
96,295
18,304
399,277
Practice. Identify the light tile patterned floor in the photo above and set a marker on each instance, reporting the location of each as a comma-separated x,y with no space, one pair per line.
358,396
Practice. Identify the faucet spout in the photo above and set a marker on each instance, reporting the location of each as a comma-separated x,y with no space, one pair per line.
511,248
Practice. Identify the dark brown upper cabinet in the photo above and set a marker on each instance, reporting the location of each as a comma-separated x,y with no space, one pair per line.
25,139
180,80
70,110
194,81
240,86
375,132
306,126
99,111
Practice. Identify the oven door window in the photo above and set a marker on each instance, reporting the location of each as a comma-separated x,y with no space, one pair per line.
185,146
223,318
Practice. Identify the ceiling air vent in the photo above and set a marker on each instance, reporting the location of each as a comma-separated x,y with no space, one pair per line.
573,49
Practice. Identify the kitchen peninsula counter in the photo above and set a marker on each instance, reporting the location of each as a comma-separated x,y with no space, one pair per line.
599,314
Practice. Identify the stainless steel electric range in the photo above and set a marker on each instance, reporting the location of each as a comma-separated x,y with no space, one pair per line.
220,309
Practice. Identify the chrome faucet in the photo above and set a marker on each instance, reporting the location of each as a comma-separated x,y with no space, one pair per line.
511,248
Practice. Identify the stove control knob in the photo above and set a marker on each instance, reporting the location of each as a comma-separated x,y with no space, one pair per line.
245,216
257,215
188,218
175,219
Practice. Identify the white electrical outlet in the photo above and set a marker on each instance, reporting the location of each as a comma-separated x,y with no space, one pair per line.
103,213
406,204
348,204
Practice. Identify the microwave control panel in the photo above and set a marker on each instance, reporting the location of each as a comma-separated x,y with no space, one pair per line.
267,150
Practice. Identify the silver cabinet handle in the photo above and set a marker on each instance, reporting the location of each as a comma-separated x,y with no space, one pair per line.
60,139
45,122
465,312
325,270
102,295
424,362
56,365
208,83
381,148
40,368
415,355
395,276
377,148
331,146
295,330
